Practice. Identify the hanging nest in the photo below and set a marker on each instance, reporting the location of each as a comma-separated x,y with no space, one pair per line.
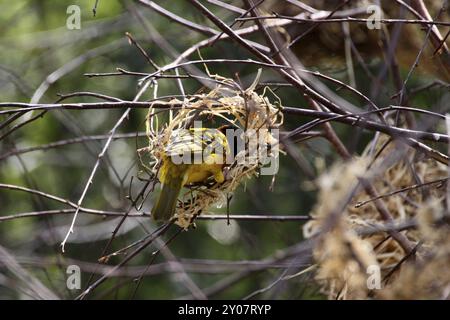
246,110
345,255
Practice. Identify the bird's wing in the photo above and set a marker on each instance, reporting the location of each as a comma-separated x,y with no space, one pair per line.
181,141
196,141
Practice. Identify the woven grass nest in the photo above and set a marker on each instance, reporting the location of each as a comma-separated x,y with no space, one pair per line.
344,254
244,109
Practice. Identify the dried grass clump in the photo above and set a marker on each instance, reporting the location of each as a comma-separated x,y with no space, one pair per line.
343,255
246,110
429,276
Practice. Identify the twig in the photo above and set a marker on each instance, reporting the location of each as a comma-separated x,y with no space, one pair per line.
156,234
409,188
66,142
97,163
94,9
141,50
252,217
347,19
70,211
184,22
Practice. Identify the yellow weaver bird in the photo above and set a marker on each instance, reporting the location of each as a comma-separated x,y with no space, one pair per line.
191,156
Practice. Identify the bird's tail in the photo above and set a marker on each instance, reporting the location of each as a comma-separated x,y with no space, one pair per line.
164,208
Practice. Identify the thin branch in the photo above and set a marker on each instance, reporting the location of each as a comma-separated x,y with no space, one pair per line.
347,19
158,232
254,217
141,50
54,198
97,164
405,189
180,20
66,142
